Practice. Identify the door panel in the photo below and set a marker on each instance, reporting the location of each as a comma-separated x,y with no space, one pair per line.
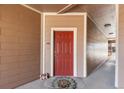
63,53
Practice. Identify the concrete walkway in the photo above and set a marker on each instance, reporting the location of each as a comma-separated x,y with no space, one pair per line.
103,78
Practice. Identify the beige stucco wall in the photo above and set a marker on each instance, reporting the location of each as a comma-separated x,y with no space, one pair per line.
65,21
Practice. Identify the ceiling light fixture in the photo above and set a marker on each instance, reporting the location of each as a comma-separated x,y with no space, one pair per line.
111,33
107,25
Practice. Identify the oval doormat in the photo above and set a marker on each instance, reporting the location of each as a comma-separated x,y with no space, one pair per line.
64,83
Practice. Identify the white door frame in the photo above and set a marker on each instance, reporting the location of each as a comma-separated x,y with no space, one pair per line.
74,30
85,35
117,46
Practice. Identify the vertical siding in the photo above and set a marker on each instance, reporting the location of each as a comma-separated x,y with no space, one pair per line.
19,45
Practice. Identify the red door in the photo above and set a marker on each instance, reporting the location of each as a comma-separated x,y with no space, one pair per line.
63,53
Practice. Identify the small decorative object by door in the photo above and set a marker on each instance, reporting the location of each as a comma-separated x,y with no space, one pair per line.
64,83
45,76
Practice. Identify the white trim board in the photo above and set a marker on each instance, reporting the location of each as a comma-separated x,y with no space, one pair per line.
70,14
117,46
41,47
31,8
43,43
85,47
85,28
74,30
66,8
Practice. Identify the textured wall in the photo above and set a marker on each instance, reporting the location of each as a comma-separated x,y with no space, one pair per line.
19,45
65,21
97,47
121,47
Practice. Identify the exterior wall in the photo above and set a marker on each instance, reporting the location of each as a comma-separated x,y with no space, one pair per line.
65,21
19,46
121,47
97,47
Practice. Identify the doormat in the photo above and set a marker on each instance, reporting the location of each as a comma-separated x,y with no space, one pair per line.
64,82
